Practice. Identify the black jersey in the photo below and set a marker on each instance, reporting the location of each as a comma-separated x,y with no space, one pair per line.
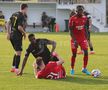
87,24
35,49
17,19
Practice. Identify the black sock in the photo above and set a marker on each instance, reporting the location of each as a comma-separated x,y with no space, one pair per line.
17,62
14,59
91,49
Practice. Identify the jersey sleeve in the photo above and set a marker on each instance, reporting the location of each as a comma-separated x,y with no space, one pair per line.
11,19
21,20
43,42
70,22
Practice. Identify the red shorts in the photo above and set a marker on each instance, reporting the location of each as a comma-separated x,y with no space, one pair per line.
83,45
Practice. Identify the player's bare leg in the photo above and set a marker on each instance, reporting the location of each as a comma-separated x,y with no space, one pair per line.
85,63
73,58
91,47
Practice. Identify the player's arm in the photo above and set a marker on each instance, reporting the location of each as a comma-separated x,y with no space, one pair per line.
71,27
90,24
24,61
20,26
61,61
23,65
71,33
35,69
21,29
37,73
53,43
47,42
8,27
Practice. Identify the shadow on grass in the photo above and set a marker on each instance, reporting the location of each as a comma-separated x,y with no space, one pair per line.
87,80
28,75
79,79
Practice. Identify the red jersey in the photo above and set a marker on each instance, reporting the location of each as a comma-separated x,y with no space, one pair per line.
52,71
78,24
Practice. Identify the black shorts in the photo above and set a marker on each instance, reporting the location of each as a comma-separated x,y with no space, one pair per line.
46,59
17,44
54,58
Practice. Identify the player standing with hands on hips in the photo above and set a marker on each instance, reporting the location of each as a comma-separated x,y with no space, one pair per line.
77,32
16,32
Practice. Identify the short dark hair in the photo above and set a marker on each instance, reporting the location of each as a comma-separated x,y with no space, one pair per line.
23,6
31,35
80,7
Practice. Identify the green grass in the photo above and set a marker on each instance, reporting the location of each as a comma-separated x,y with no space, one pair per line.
8,81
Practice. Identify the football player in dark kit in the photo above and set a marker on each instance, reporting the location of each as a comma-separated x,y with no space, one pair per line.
38,48
88,31
16,32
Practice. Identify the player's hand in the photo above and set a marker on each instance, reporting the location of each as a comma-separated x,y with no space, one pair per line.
54,54
24,36
8,36
34,64
90,28
20,73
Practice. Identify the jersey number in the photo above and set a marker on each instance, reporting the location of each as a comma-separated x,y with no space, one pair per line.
15,19
53,76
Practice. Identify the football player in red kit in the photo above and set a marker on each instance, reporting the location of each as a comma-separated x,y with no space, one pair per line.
53,70
77,32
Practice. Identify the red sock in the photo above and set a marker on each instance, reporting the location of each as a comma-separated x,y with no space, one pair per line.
72,62
85,61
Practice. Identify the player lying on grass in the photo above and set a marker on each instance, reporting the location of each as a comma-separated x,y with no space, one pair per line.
77,32
38,48
53,70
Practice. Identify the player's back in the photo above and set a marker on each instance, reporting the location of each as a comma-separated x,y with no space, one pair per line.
16,19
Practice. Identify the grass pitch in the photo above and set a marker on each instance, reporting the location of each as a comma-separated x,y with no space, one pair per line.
8,81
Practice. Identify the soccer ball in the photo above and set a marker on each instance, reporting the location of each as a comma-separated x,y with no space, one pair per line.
96,73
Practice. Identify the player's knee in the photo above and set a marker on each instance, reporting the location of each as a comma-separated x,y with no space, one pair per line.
85,52
18,53
74,55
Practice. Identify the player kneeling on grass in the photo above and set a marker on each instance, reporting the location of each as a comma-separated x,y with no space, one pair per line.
53,70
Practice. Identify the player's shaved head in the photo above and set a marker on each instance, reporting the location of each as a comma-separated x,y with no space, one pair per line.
32,38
